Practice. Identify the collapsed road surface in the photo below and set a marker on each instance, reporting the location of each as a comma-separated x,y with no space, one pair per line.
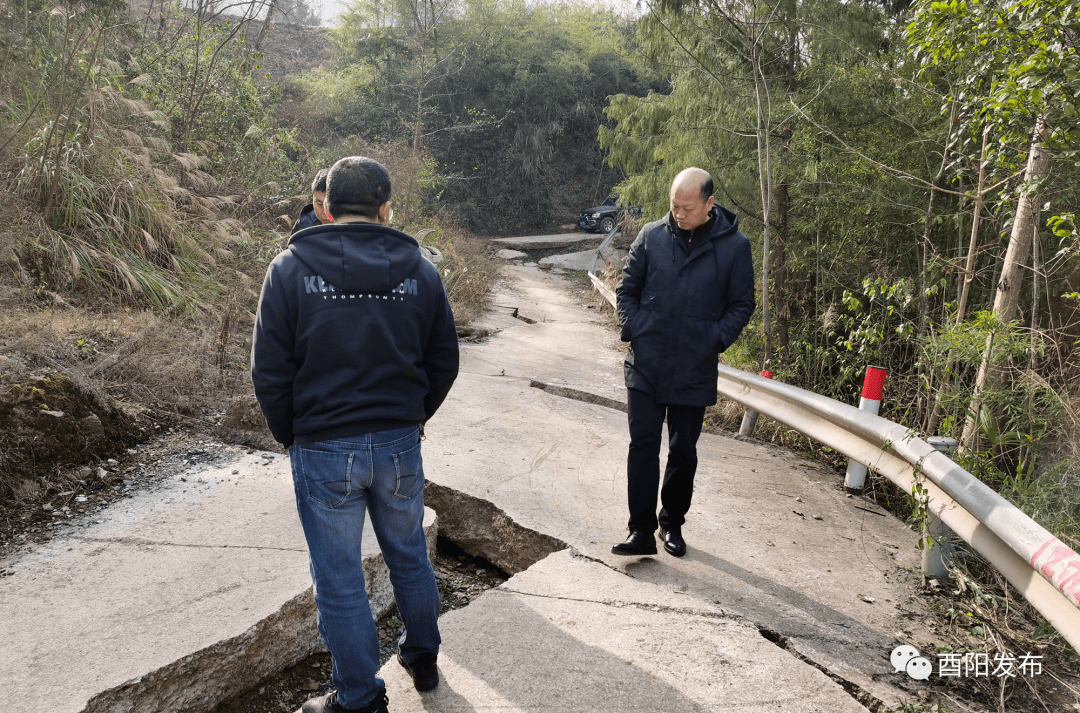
790,597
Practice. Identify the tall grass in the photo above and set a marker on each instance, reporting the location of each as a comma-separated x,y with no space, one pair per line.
126,216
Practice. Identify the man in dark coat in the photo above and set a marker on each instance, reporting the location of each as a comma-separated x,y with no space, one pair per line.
354,349
686,293
314,213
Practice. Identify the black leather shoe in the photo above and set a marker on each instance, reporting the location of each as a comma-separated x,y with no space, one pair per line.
640,542
329,704
424,672
674,544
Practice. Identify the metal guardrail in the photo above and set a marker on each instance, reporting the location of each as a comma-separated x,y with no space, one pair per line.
600,254
603,289
1041,567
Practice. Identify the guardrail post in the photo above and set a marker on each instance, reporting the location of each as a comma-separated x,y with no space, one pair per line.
749,419
935,558
873,385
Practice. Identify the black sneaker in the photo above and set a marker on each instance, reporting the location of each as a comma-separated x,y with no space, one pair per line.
329,704
424,672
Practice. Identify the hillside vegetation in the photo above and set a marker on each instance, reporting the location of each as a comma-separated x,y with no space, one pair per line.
906,172
908,176
154,156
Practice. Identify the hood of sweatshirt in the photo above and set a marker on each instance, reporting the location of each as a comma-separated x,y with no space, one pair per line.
357,257
726,222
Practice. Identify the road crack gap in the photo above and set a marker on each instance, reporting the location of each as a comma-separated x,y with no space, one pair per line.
158,543
617,604
482,529
861,695
577,395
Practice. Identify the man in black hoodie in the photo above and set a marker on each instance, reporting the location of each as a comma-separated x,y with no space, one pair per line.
686,294
354,349
314,213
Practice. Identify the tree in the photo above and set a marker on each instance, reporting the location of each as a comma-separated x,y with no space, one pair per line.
400,69
300,12
506,99
543,77
734,65
1014,65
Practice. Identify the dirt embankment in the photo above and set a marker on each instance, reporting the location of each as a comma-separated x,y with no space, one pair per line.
50,420
58,438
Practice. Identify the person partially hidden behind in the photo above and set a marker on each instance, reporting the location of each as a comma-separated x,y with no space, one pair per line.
314,213
685,295
354,350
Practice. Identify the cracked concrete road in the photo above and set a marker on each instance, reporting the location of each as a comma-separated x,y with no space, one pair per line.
799,588
172,599
570,634
789,598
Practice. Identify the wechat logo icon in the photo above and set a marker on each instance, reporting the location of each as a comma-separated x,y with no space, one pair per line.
907,659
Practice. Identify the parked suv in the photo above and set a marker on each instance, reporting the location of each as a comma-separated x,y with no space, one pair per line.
605,216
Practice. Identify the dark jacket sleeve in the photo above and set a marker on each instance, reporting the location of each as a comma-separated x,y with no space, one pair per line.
440,354
628,291
740,295
273,365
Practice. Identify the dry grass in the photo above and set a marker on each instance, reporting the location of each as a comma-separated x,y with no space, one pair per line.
169,358
164,361
136,370
468,271
980,613
161,361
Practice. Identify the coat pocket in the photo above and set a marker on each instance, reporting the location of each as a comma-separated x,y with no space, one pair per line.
699,345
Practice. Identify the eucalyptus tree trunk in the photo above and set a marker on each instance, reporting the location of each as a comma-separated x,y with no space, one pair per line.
1036,271
783,202
1007,297
764,159
779,249
924,298
968,276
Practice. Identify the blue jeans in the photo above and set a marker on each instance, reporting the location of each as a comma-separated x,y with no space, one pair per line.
336,482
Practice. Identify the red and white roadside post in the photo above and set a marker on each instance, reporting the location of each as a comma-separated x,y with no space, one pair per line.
749,419
873,386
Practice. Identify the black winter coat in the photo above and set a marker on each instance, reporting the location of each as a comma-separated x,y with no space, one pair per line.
306,220
353,335
679,311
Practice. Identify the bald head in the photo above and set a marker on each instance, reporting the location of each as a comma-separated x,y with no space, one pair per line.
691,197
691,178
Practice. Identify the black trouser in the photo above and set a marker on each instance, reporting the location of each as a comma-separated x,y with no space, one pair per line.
646,418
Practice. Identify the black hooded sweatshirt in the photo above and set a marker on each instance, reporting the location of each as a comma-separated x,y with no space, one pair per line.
353,335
